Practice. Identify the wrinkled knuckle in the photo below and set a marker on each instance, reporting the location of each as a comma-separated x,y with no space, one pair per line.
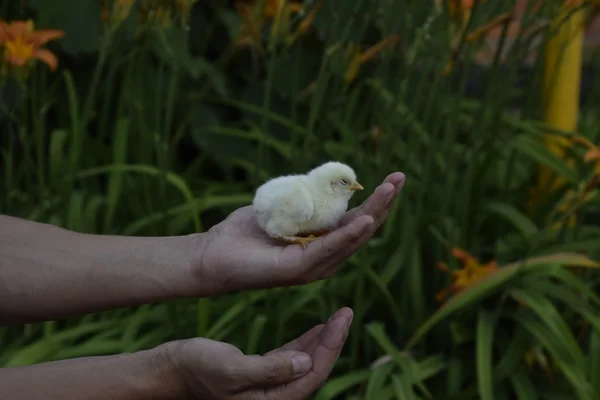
236,380
273,372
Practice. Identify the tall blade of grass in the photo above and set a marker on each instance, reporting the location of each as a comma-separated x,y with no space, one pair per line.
552,319
402,388
45,348
134,324
96,348
408,368
560,352
387,296
493,282
484,359
536,150
203,316
56,157
515,217
336,386
216,330
115,181
594,359
379,376
195,206
256,331
522,385
172,178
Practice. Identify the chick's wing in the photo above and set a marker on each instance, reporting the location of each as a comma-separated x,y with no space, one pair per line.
286,199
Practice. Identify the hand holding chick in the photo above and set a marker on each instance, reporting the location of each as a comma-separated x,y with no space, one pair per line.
238,255
311,204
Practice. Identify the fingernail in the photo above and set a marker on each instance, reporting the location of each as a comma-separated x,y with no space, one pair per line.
350,321
302,364
401,184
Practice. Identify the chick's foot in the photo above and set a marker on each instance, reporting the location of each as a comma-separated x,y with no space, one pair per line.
320,232
304,241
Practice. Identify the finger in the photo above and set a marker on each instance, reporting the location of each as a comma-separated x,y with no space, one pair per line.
271,370
300,343
331,342
328,245
328,267
324,355
378,206
383,197
310,347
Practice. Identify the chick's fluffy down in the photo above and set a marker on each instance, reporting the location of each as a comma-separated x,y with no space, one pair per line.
285,207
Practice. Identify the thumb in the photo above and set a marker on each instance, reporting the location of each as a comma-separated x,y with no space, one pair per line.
276,368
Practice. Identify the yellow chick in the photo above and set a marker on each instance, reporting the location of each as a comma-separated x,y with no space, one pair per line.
293,205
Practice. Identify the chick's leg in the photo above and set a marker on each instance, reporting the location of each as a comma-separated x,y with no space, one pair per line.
320,232
304,241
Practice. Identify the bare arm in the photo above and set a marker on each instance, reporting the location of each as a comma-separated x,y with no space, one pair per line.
141,375
49,273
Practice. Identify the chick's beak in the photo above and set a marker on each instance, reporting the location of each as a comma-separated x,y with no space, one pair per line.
356,186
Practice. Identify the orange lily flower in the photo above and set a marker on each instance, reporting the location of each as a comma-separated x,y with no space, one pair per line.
593,153
471,272
574,199
22,43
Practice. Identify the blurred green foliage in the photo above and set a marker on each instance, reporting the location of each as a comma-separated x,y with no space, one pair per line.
161,125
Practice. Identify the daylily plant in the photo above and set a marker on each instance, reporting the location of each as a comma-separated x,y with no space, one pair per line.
358,57
21,45
471,272
160,12
256,13
460,11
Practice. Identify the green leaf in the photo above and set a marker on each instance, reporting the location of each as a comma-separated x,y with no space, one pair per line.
45,348
336,386
403,388
216,331
115,181
522,385
515,217
195,207
408,367
172,178
56,158
594,359
490,284
256,332
377,381
552,319
485,339
537,151
559,351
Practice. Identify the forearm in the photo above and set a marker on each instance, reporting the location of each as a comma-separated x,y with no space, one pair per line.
142,375
49,273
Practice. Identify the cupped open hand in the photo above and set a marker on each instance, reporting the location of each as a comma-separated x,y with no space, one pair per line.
210,370
239,255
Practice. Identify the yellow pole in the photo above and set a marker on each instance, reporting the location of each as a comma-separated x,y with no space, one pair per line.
560,88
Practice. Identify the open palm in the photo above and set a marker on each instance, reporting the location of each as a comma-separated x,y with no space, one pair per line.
216,370
240,255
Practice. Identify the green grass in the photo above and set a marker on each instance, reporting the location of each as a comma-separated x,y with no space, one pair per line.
166,132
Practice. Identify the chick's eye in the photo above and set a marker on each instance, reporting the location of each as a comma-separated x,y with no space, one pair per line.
344,182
